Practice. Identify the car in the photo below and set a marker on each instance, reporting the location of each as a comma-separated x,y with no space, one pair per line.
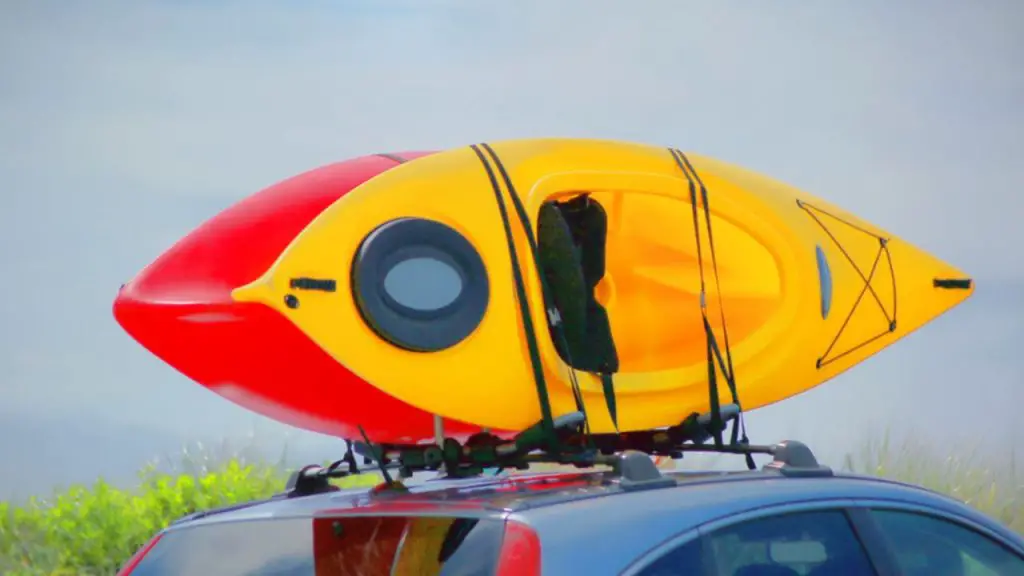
792,516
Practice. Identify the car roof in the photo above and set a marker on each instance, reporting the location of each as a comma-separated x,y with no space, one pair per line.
474,497
521,493
578,513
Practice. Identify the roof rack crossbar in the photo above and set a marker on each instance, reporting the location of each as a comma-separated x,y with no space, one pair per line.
627,454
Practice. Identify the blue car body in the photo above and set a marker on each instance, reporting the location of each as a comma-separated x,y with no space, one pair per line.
580,522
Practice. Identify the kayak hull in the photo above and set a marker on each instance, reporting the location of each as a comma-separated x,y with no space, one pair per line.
807,289
180,309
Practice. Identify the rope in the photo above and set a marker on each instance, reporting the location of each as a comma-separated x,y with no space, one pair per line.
883,248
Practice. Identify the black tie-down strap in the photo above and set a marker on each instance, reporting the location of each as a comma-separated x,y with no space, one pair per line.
547,424
883,249
715,361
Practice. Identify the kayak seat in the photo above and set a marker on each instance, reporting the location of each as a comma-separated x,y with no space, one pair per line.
571,239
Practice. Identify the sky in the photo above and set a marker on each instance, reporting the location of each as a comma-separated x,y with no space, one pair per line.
123,125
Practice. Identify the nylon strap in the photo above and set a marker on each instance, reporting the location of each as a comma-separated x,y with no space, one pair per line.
608,387
547,423
524,220
739,434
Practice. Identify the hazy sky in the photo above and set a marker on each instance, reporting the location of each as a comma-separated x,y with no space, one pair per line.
123,125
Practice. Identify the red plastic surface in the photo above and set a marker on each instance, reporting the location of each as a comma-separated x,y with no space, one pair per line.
136,558
520,551
180,309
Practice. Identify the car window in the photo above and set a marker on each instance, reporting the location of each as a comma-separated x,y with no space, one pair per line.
925,544
684,560
328,546
818,543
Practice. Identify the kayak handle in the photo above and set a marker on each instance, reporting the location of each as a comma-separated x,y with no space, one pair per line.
953,283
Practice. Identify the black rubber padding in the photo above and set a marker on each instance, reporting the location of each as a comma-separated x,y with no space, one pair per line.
563,271
953,283
571,239
412,329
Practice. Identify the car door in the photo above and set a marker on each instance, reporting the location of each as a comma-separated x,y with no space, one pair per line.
804,539
932,542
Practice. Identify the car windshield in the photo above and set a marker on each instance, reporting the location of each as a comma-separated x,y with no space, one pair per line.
340,546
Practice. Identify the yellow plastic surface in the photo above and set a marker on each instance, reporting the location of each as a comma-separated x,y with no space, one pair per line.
764,239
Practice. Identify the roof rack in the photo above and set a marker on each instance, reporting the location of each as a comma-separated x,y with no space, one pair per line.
636,471
313,479
628,454
793,458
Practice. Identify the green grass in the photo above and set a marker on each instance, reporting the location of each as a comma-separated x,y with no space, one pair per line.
987,482
86,530
92,530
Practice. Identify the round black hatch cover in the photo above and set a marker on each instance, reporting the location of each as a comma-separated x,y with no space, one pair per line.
420,284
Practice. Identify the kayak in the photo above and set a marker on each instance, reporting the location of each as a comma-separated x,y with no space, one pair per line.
180,309
411,281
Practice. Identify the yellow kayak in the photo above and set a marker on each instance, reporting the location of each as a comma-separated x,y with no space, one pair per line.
409,282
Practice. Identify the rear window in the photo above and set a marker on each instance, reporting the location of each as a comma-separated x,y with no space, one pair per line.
350,546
